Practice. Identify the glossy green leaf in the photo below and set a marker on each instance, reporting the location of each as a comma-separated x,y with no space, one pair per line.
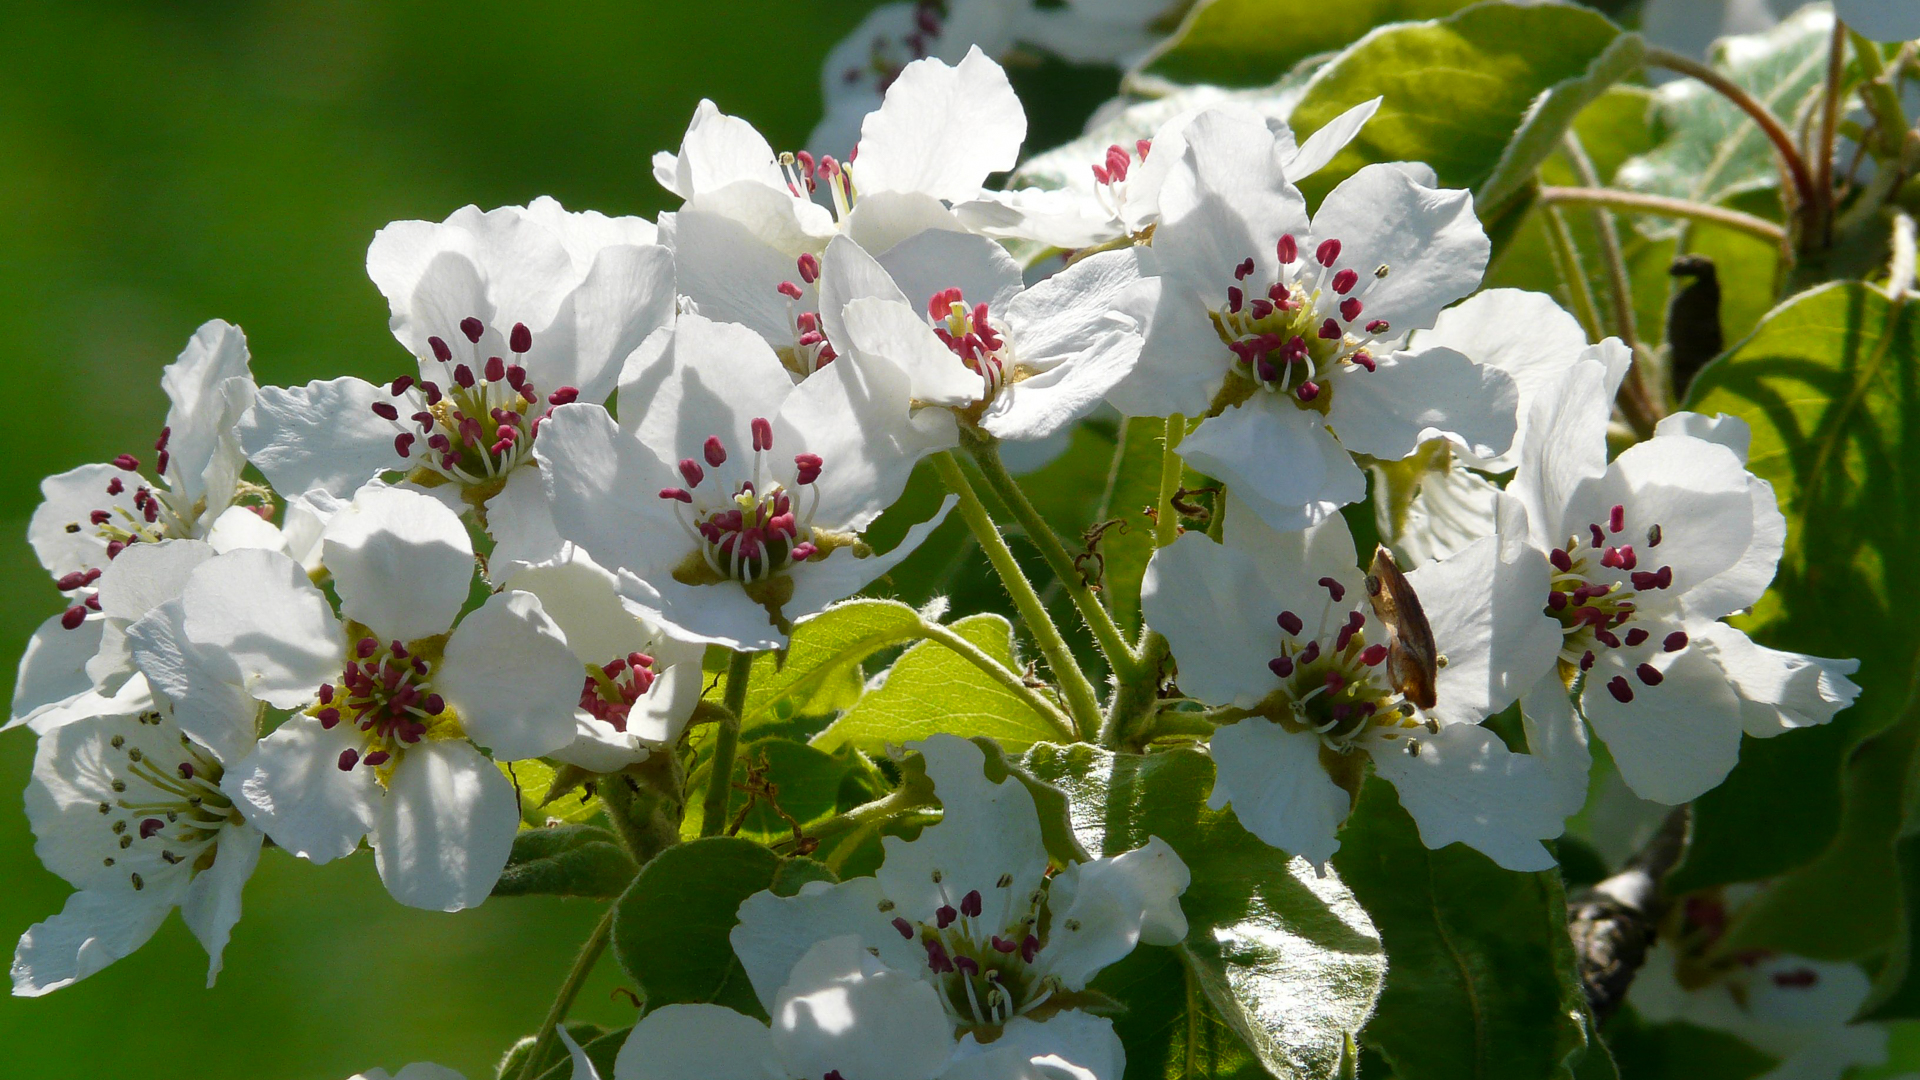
1255,42
810,784
1481,981
1709,148
670,928
932,689
566,860
1483,95
1287,961
820,672
797,873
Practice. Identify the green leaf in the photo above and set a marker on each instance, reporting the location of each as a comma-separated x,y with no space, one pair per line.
812,784
820,672
1170,1029
670,928
1255,42
931,689
1709,148
1481,982
1287,961
1133,487
1483,95
533,780
1052,804
1827,384
797,873
1677,1050
566,860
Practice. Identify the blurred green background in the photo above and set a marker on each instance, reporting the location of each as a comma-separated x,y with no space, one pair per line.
162,164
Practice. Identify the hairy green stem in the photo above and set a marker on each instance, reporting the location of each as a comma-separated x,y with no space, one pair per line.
570,989
1099,620
1882,100
1566,259
1082,704
1829,133
1666,207
1137,696
646,803
1639,407
726,740
898,801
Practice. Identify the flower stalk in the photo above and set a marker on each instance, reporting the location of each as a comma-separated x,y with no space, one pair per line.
726,741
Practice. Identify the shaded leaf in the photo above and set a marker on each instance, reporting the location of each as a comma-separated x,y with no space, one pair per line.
566,860
812,784
670,928
1255,42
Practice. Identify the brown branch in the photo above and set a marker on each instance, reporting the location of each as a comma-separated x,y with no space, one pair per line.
1614,923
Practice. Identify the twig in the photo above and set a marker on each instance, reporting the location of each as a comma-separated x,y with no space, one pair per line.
1613,924
1666,207
1770,125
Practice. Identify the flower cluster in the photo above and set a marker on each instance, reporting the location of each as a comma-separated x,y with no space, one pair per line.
622,445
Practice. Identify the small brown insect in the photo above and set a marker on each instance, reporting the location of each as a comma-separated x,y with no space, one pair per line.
1412,659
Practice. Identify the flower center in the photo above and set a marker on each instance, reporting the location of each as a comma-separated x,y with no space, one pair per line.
810,351
1307,325
1110,176
162,816
1595,593
612,688
1331,680
984,965
385,693
754,528
969,335
482,423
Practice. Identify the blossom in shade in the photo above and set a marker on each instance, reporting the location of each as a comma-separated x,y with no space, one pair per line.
1281,627
731,506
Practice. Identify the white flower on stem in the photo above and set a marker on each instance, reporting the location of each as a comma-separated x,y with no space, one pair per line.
962,930
1535,341
730,507
950,310
1106,184
1795,1009
641,684
1649,552
1280,627
748,239
130,811
91,514
509,312
1283,332
426,1070
391,703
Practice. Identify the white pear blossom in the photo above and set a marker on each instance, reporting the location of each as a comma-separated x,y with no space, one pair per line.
748,238
91,514
1283,332
425,1070
730,507
131,811
961,932
1280,628
950,309
641,684
1649,552
1106,185
509,312
391,704
1534,340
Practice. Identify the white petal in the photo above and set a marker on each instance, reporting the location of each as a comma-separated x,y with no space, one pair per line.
401,562
580,599
1046,402
935,260
92,931
603,488
1729,431
145,576
206,403
1279,790
260,609
1332,137
212,904
719,149
1427,237
1453,508
854,414
1567,444
1489,623
1245,447
774,932
322,435
510,677
1779,691
627,295
293,789
446,826
1741,585
203,685
678,1041
1069,1045
1210,603
733,249
1102,909
521,524
583,1068
845,1012
847,273
1412,397
818,584
713,380
1700,496
1182,364
1226,199
61,533
1465,785
53,668
988,832
883,219
1558,737
239,527
1525,334
1674,741
901,336
941,130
